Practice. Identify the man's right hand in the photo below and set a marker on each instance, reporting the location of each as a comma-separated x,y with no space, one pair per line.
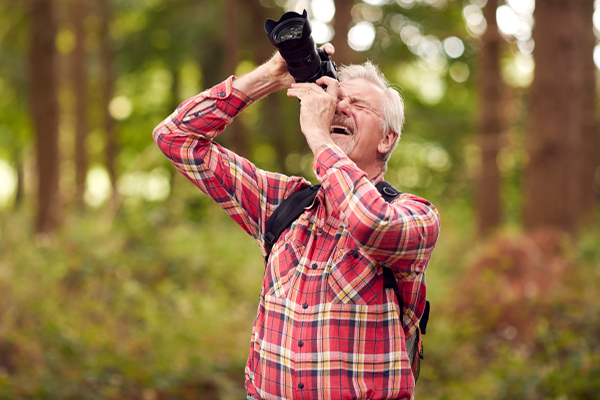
278,69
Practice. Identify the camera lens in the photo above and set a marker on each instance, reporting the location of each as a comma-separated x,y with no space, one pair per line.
292,37
289,32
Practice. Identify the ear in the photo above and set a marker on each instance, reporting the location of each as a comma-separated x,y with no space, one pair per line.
387,142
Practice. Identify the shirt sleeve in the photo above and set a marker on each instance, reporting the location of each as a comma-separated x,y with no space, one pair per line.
248,194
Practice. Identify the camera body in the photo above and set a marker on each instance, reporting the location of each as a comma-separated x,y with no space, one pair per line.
291,35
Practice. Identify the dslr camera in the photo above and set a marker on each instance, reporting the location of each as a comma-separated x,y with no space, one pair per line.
291,35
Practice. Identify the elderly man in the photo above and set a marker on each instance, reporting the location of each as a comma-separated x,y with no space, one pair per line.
327,327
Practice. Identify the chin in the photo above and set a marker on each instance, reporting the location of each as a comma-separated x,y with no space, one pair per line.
345,144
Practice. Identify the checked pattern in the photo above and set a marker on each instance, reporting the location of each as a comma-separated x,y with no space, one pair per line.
326,328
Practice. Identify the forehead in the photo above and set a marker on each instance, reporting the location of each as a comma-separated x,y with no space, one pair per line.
362,89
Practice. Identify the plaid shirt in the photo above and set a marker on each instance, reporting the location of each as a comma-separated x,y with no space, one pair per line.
326,327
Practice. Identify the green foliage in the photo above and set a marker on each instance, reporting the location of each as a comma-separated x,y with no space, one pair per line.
153,304
159,303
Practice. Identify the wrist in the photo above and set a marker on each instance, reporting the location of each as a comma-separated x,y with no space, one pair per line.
318,139
258,83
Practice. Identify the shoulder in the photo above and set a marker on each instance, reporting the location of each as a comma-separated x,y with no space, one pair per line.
416,205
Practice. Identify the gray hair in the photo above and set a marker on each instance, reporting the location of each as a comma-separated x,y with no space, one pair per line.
392,106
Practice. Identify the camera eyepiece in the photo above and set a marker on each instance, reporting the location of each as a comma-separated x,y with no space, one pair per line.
291,35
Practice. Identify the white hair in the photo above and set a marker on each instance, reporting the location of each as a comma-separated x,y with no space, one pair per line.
392,106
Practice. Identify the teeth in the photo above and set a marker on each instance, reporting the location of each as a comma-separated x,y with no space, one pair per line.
340,129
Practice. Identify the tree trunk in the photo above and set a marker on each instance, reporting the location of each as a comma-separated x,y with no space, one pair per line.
272,125
237,134
108,83
590,159
20,190
341,25
78,13
552,177
45,109
489,212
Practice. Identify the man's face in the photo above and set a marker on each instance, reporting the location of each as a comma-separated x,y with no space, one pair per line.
356,126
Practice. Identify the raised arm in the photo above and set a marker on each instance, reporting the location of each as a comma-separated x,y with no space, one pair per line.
249,195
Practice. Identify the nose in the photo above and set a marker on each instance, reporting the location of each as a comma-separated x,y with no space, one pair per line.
342,107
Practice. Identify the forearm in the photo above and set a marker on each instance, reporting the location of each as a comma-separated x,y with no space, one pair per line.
247,193
401,235
259,83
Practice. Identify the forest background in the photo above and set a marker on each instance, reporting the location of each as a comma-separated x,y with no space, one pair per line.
120,280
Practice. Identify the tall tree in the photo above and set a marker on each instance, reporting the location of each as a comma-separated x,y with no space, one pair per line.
45,109
78,12
489,124
272,107
341,26
552,177
108,84
237,137
590,159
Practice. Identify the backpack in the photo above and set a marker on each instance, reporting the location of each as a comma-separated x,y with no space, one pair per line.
293,206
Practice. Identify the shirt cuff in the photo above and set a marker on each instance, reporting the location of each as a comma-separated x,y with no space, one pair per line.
227,99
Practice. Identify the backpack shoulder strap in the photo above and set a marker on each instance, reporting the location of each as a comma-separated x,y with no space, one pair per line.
293,206
287,212
387,191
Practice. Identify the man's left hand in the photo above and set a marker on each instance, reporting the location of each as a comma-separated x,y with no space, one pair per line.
317,108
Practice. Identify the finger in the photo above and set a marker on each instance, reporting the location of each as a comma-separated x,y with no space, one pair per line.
333,85
306,86
299,93
329,49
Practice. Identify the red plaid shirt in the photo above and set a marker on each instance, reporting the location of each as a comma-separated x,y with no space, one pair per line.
326,327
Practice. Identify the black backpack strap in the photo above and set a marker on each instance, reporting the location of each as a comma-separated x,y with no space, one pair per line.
389,282
287,212
387,191
424,318
293,206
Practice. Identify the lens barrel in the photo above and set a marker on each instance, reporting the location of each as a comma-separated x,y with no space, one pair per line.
291,35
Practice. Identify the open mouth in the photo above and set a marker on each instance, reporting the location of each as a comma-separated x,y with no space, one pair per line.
340,130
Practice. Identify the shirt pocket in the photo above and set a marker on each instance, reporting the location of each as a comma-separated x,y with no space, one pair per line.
353,279
282,270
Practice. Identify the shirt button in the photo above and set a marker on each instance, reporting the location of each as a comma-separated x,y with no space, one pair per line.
314,266
318,171
301,385
287,245
320,230
222,94
355,254
300,343
305,306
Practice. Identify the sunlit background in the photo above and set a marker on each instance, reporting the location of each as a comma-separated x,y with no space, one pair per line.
437,58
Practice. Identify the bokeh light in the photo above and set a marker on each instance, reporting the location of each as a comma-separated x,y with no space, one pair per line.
120,107
8,183
376,2
323,10
522,6
361,36
454,47
459,71
597,56
97,187
321,32
508,21
473,16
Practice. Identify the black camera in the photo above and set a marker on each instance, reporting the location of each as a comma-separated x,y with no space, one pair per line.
292,37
